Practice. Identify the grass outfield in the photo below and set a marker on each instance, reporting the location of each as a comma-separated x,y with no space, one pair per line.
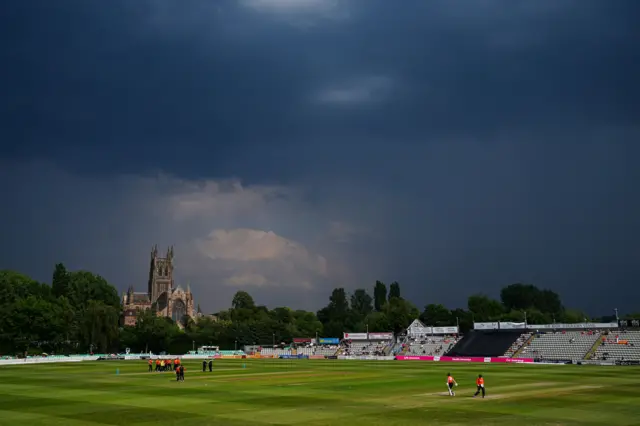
316,393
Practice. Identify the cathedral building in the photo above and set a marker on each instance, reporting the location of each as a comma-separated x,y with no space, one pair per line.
161,295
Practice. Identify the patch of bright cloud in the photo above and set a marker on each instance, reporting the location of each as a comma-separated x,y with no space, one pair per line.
226,235
362,91
293,6
300,13
246,280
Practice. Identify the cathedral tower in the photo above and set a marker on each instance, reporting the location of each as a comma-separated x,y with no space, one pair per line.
160,274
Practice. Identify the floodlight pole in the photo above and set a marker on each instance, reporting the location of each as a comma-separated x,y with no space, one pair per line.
617,317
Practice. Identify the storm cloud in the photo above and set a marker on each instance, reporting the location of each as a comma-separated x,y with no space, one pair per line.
289,147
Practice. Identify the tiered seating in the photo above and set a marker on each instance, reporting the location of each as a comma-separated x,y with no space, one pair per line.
326,350
517,344
619,346
275,351
366,347
214,353
308,350
430,346
561,345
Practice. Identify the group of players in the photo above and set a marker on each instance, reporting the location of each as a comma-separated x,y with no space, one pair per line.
451,383
164,364
168,365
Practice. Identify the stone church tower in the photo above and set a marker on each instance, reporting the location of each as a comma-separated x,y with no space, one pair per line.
160,274
161,295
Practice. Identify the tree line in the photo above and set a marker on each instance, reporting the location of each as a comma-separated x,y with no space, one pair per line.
80,312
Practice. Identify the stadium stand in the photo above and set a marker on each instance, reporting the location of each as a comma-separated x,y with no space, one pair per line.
429,346
560,345
517,345
266,351
309,350
365,347
326,350
619,346
213,353
484,344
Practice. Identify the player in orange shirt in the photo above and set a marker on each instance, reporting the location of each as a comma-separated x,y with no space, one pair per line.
451,382
480,385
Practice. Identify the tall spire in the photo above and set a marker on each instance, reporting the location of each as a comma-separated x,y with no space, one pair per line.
199,310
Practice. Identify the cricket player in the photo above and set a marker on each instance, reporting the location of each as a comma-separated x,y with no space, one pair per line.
480,385
451,382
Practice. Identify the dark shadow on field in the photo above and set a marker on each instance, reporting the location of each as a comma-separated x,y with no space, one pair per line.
34,404
120,415
55,382
108,414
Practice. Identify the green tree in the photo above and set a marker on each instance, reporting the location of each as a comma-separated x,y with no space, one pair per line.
307,323
534,316
283,315
394,290
333,329
60,281
338,305
336,317
155,333
361,303
522,297
99,326
400,313
68,325
15,286
573,316
549,302
242,300
378,321
33,323
513,315
84,286
436,315
379,295
483,308
519,296
463,319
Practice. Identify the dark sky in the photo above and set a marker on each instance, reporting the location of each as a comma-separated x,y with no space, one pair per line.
287,147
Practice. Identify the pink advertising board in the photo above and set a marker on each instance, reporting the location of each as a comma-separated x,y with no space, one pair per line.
465,359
